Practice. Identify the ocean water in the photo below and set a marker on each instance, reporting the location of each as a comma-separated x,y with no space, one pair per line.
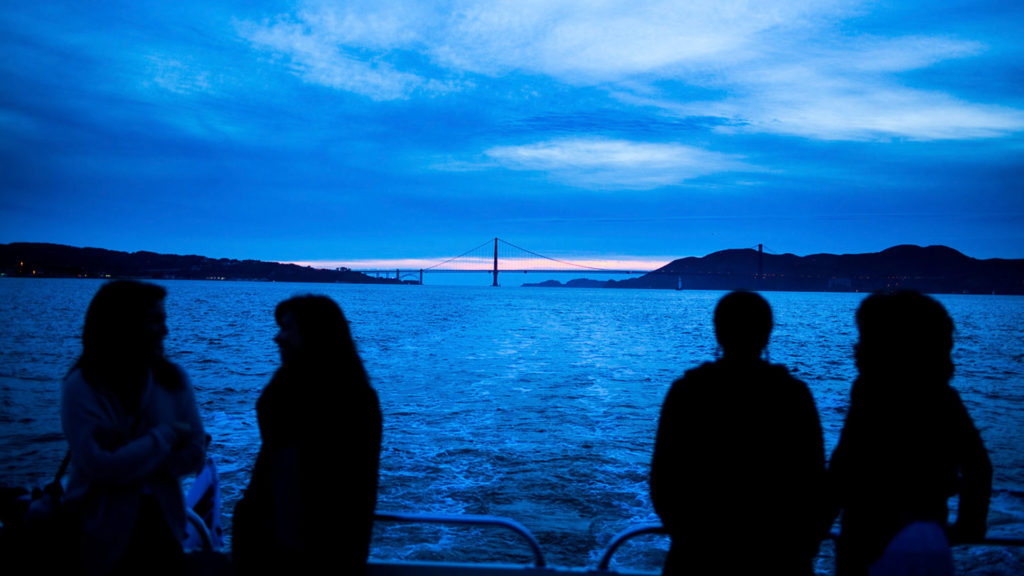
538,404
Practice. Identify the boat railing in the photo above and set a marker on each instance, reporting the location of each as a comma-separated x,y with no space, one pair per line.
201,528
621,538
603,564
642,529
470,520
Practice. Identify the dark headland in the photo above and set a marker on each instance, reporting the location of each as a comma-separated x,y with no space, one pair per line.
59,261
932,269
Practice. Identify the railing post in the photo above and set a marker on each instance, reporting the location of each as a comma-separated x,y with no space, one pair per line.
495,283
421,276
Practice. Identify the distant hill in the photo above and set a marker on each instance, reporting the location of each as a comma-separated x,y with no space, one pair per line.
932,269
577,283
59,261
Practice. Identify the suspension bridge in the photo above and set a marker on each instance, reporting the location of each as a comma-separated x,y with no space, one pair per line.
498,255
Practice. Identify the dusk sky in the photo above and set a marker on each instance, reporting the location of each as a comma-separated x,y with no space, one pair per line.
349,132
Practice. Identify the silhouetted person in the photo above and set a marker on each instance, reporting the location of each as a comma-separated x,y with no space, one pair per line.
907,445
739,463
310,501
133,429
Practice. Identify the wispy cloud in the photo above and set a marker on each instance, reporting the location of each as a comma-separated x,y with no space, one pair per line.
786,68
837,109
879,54
615,164
352,47
370,47
584,41
848,92
178,77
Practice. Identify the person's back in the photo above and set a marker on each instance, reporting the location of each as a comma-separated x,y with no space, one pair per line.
908,444
737,470
317,416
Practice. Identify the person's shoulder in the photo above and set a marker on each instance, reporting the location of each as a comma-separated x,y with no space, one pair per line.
705,370
782,373
171,376
75,390
788,386
693,380
180,371
784,384
952,395
74,375
74,381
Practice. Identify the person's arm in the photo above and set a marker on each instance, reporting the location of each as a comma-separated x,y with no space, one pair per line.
835,479
820,512
976,483
84,419
664,482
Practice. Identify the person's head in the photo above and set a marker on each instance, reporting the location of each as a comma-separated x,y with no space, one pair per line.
743,322
123,338
312,329
904,334
126,320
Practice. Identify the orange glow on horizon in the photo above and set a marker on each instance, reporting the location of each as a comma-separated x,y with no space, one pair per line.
624,264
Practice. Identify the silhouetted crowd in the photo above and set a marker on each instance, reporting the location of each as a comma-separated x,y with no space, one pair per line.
738,476
739,443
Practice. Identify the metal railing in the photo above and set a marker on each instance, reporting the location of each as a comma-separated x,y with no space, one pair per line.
470,520
201,528
642,529
620,539
538,555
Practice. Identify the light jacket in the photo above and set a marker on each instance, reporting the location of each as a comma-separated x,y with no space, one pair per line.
108,479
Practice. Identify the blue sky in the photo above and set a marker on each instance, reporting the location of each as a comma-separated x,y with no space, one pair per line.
343,132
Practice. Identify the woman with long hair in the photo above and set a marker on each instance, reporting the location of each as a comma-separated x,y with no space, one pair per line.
907,446
310,501
133,429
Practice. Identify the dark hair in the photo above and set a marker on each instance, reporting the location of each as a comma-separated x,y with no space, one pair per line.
115,353
326,339
743,322
905,332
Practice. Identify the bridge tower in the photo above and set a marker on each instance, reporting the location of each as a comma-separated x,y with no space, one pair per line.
495,283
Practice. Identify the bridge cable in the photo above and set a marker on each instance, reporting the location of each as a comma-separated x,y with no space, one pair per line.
553,259
460,255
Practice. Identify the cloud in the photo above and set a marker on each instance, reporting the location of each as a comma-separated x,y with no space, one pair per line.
177,77
586,41
791,68
344,49
810,99
614,164
879,114
877,54
357,46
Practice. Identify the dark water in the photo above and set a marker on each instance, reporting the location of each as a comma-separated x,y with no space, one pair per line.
535,404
